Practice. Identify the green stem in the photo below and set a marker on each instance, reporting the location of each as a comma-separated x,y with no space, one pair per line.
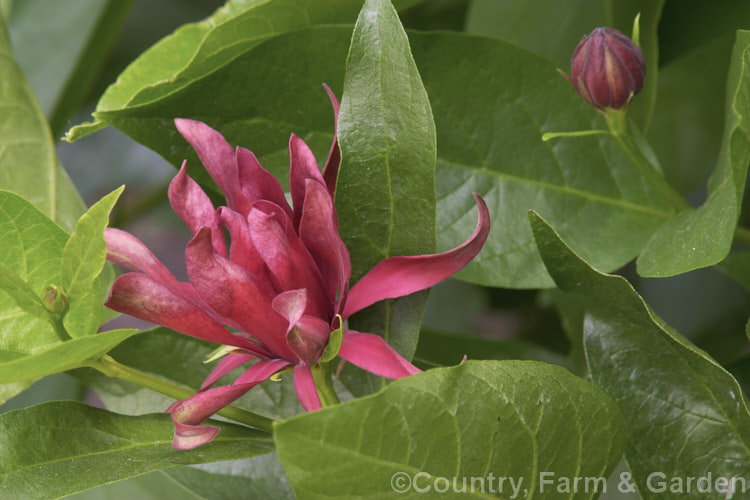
112,368
742,235
619,125
323,376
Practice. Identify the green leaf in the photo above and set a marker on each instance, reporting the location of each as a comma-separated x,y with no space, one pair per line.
85,252
198,49
23,295
447,349
703,237
62,65
60,357
554,29
59,448
385,195
263,476
31,247
488,141
28,165
510,418
737,267
84,315
678,402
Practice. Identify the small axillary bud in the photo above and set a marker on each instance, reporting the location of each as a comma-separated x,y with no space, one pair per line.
607,69
54,300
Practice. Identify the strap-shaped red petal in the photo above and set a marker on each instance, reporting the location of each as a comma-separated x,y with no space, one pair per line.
128,251
187,415
142,296
304,385
216,155
331,170
370,352
235,293
318,232
224,366
257,183
189,201
303,167
399,276
242,251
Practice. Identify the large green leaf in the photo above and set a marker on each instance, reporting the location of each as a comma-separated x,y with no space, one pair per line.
196,50
686,415
703,237
59,357
385,196
62,64
259,477
58,448
554,28
28,164
512,419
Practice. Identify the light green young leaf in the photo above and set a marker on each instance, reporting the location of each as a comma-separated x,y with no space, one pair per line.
84,315
31,247
59,357
28,164
25,297
85,252
46,447
703,237
677,401
508,418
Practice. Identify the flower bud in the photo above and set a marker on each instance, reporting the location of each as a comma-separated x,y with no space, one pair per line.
607,69
54,300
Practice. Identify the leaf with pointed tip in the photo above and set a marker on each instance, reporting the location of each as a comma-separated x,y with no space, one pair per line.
85,251
31,247
512,418
703,237
59,357
678,402
45,448
28,164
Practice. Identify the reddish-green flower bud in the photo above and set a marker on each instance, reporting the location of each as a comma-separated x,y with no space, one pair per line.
607,69
54,300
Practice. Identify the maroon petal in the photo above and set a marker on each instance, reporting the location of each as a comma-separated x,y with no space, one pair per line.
143,297
318,231
399,276
303,167
304,385
190,202
216,155
187,415
235,293
289,263
257,183
370,352
331,170
226,365
242,251
128,251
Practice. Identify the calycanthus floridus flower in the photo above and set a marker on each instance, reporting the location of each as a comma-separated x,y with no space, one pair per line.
281,286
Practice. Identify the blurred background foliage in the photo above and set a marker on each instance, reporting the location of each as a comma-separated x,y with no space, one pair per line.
87,43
